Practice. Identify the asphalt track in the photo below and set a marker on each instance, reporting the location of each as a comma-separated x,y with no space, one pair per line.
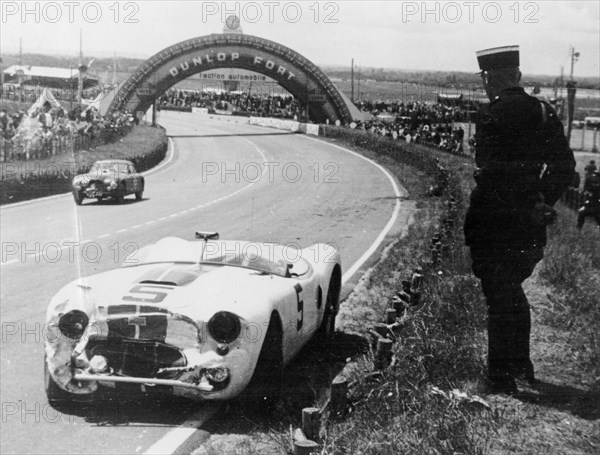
216,179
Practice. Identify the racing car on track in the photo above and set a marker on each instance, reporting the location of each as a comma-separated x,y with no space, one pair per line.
108,178
203,319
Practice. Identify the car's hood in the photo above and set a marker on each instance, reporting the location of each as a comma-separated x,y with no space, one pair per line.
196,291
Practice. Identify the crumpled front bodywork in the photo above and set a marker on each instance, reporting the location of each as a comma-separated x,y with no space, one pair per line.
141,344
61,350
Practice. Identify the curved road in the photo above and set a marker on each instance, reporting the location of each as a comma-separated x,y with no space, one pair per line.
245,182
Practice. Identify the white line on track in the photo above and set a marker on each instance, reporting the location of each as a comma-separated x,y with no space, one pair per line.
367,254
179,435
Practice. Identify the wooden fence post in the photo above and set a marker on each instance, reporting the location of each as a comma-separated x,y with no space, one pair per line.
305,447
383,355
311,423
390,315
381,329
339,393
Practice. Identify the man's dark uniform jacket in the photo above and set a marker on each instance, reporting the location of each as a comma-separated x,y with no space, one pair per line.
524,162
519,139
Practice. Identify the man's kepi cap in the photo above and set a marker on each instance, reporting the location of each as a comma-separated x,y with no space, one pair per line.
498,57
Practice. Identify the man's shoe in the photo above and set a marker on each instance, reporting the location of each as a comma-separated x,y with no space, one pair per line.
505,384
524,370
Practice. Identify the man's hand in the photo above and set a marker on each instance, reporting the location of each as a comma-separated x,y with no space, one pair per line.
543,214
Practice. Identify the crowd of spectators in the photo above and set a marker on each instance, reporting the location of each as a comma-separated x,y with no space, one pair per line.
432,124
235,102
11,92
33,135
437,112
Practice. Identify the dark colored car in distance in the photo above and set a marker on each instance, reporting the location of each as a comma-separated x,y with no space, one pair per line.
108,179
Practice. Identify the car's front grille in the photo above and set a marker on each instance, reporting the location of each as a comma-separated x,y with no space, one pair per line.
137,358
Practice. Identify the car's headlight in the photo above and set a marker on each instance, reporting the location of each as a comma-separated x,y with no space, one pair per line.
73,324
112,185
224,327
218,375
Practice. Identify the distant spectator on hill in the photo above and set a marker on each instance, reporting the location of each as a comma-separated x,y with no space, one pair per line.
590,169
576,180
591,204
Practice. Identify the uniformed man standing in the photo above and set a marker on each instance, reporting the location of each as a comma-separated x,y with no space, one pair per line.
524,164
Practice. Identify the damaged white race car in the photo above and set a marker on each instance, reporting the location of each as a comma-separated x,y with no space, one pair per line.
204,319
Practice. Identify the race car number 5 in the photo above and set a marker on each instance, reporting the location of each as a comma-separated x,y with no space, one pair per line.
150,291
298,289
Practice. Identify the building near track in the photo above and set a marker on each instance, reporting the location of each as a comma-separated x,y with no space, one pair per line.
45,76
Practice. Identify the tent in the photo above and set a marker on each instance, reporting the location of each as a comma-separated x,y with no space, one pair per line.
46,96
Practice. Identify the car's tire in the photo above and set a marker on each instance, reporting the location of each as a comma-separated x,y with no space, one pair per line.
139,195
327,328
267,381
99,199
56,395
120,194
78,196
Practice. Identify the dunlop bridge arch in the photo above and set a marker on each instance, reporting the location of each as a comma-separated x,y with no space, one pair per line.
292,71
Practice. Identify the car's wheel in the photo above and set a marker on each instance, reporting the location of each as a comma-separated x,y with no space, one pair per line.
327,328
267,380
78,196
99,199
139,195
120,194
55,394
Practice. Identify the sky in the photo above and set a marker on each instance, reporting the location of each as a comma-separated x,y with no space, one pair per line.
436,35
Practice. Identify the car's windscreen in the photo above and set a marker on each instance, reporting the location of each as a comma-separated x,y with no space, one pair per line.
104,167
268,265
264,257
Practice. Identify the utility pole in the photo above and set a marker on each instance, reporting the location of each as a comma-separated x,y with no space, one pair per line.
114,81
571,90
352,81
359,75
574,58
81,68
1,77
71,89
562,79
20,73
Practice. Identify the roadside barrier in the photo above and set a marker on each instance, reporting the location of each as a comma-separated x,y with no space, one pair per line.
280,124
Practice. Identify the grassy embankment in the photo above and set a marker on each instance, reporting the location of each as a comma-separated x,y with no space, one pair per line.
443,345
